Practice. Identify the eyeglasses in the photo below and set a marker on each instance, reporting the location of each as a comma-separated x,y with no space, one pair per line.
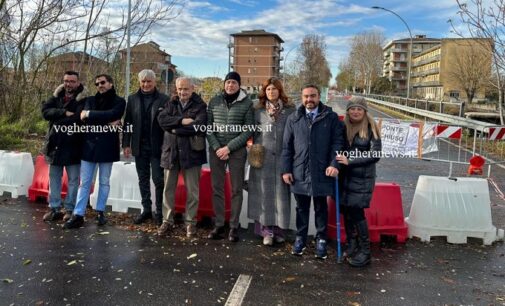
100,83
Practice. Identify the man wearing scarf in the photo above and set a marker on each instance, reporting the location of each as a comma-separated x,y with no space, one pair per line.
228,113
144,141
102,117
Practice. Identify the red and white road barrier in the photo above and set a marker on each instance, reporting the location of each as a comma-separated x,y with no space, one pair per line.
497,133
447,131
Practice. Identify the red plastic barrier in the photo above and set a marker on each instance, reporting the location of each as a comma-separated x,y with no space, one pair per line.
385,215
40,182
205,208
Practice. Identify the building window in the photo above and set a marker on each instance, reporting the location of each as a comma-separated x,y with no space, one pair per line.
249,70
250,40
454,94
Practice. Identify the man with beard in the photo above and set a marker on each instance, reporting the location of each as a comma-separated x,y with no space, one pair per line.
63,147
102,117
144,142
312,136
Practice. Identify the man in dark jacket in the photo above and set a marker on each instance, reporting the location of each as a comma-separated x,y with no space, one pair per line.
63,143
144,142
102,117
229,112
312,136
183,152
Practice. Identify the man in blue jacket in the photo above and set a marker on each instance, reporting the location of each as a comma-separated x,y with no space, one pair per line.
312,136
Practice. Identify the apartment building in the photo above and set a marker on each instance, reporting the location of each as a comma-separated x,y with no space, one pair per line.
256,56
150,56
396,59
445,71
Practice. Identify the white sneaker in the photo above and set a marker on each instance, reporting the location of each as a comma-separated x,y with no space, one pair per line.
268,240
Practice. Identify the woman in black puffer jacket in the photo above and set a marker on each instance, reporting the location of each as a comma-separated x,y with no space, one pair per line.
363,151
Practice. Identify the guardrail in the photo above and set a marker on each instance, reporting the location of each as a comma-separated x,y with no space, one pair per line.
402,104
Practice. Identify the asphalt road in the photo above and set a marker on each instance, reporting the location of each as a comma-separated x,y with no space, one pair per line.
122,264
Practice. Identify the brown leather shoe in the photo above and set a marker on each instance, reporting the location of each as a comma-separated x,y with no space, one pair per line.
67,216
165,229
53,214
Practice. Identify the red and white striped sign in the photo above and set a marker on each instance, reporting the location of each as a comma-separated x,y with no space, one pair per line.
447,131
497,133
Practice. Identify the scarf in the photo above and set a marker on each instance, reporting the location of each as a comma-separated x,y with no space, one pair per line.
273,109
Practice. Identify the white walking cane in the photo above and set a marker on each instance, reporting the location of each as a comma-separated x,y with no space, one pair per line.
337,210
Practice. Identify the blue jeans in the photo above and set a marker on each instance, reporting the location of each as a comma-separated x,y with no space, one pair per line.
55,174
87,171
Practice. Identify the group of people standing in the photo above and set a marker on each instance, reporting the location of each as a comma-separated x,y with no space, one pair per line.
294,150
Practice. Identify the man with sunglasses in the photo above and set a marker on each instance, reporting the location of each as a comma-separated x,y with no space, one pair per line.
102,118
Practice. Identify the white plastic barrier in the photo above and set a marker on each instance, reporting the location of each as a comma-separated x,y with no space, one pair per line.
124,188
457,208
16,172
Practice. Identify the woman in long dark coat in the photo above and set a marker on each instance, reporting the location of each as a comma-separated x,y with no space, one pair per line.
269,198
362,152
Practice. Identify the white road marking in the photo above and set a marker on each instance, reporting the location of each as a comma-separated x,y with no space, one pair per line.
239,290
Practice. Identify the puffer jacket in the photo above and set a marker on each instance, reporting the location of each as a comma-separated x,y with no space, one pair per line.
309,148
63,147
239,114
359,175
176,146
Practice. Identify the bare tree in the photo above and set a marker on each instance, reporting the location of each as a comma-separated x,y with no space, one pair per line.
366,57
471,69
486,19
315,68
39,29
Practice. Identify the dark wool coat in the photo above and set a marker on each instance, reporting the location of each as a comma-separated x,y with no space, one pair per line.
308,149
101,142
63,147
133,117
176,145
359,175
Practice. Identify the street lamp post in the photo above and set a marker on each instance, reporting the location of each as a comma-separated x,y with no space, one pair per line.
410,47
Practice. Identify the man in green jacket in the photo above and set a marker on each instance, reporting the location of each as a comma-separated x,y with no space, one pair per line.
230,118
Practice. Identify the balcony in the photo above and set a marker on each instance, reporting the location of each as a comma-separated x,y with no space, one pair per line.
400,59
432,59
399,50
399,69
426,84
426,72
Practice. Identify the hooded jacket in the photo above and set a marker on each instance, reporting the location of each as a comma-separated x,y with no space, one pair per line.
63,144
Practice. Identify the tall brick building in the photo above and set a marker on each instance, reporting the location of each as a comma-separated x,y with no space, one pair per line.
256,56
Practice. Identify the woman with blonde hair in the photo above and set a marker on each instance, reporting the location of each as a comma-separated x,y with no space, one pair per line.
363,150
269,200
